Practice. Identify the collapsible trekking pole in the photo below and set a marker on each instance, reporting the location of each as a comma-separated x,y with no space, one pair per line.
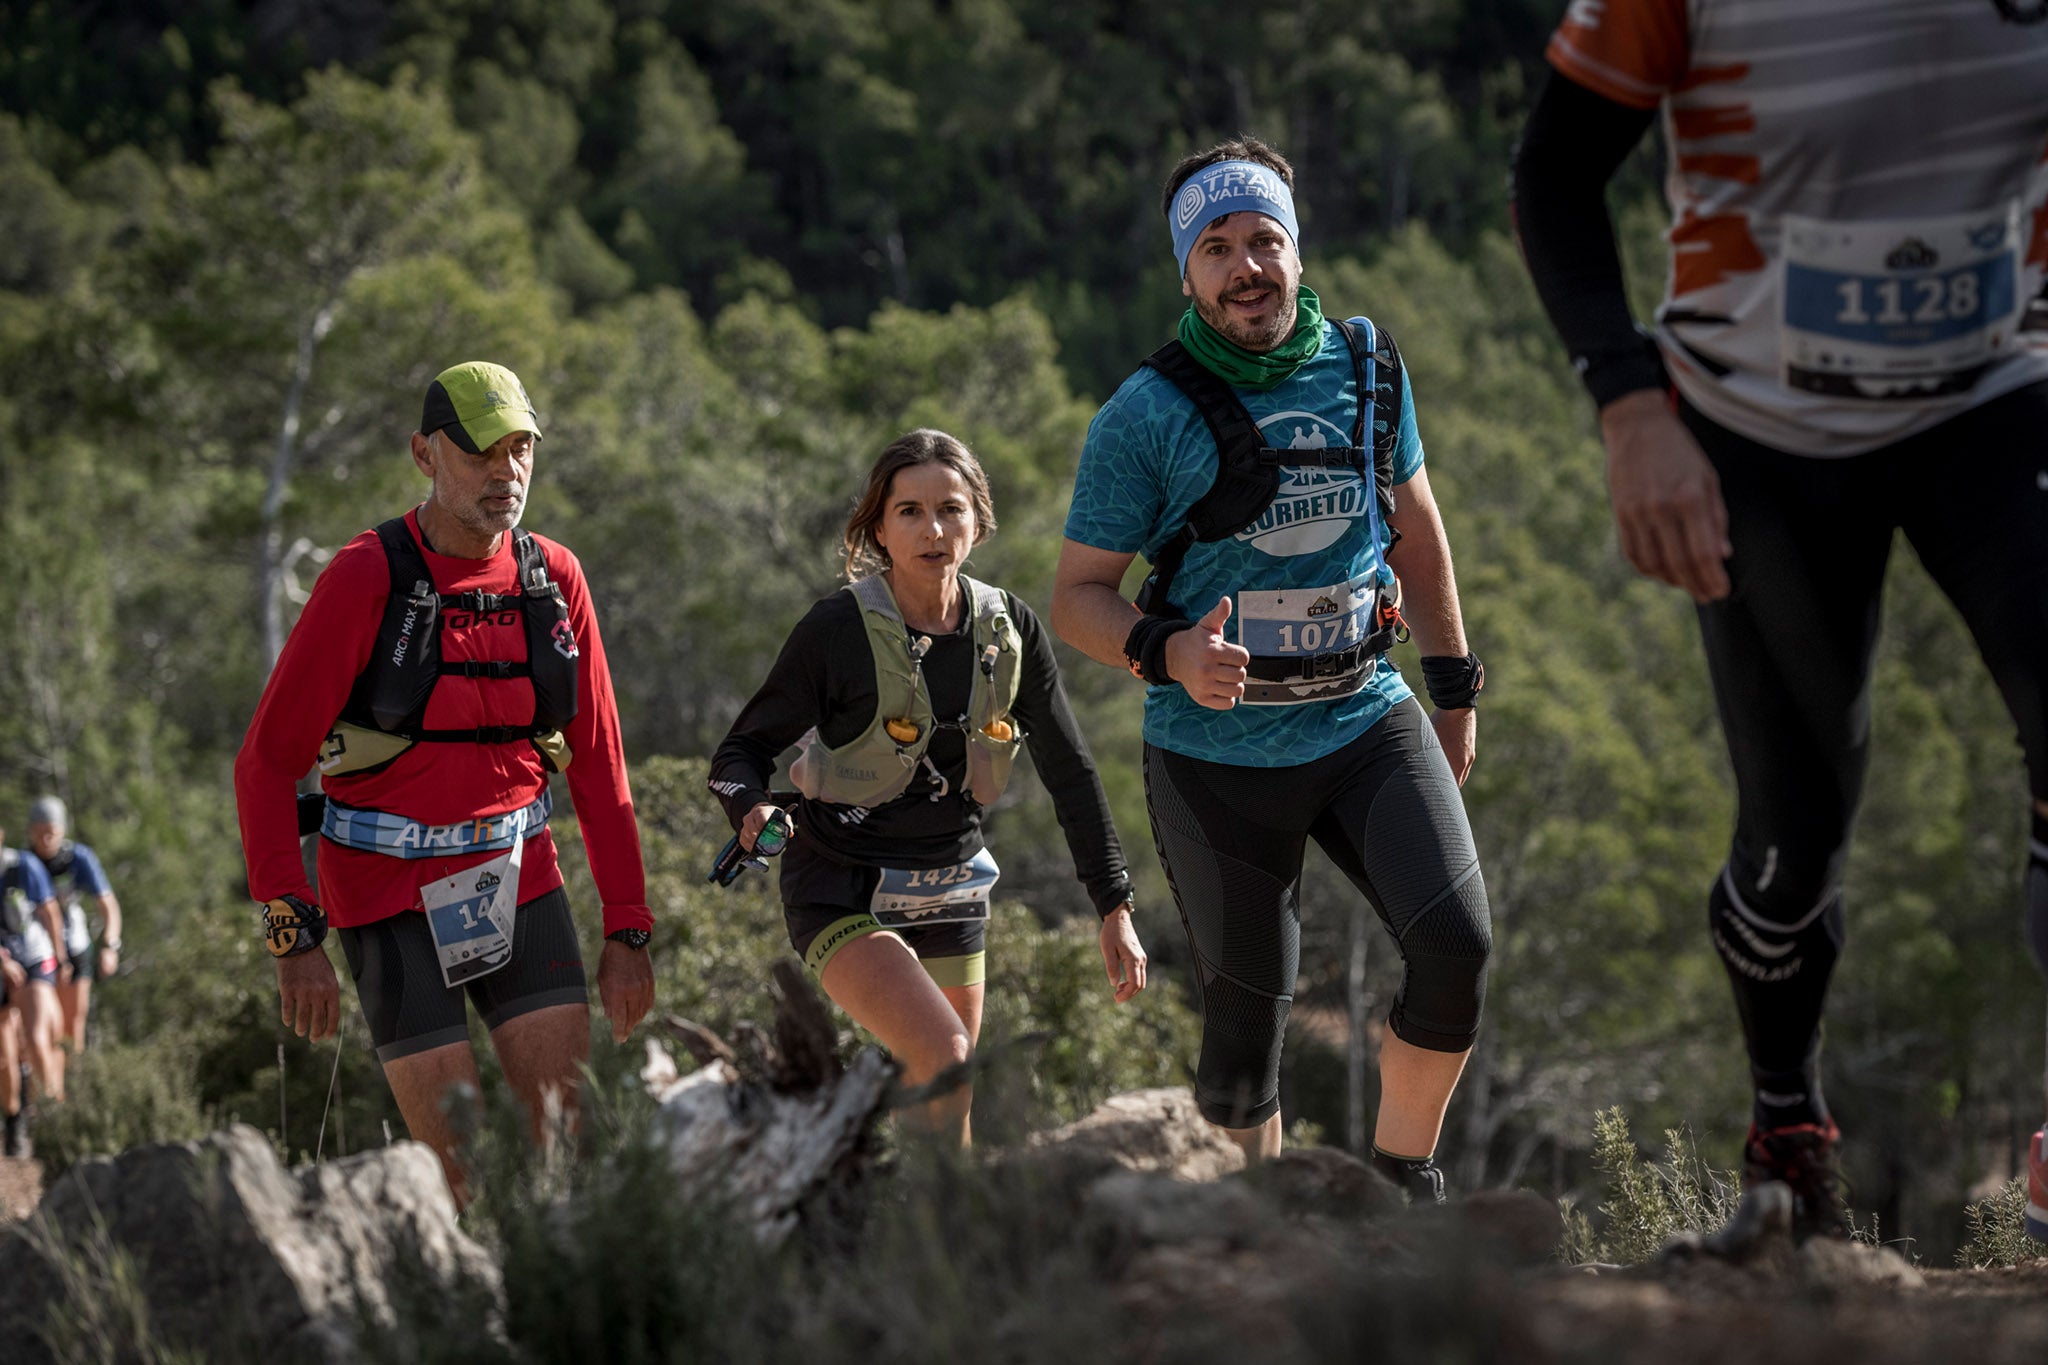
733,860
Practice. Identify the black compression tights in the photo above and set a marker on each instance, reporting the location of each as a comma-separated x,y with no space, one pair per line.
1790,653
1386,810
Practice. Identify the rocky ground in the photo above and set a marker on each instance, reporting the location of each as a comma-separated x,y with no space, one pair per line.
1309,1258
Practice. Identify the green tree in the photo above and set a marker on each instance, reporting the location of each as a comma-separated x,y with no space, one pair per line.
305,228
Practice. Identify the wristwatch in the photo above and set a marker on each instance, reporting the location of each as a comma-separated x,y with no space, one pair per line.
636,939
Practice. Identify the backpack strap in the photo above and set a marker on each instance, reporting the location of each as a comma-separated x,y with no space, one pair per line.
551,647
391,694
1389,393
1247,469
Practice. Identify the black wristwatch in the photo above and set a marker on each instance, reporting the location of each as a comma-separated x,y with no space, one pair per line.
636,939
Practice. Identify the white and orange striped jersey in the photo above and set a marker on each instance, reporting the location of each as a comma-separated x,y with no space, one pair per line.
1859,202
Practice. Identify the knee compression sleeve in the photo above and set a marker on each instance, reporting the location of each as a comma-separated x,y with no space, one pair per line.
1444,984
1778,963
1237,1079
1423,872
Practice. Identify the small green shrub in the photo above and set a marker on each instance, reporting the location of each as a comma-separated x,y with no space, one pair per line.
1647,1203
1998,1233
121,1095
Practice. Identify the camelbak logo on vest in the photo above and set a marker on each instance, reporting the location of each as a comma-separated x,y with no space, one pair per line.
1312,507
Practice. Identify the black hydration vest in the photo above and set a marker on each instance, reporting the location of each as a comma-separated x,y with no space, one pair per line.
391,694
1248,470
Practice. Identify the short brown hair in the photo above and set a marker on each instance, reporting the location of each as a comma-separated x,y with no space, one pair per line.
864,554
1243,147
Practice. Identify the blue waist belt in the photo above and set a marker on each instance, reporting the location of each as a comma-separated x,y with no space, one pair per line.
376,831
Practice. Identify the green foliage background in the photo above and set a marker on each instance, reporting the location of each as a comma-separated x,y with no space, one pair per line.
733,249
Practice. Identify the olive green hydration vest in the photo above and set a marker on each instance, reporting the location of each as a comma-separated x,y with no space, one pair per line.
877,766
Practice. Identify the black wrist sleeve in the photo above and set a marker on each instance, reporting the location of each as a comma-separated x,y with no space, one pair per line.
1145,647
1452,680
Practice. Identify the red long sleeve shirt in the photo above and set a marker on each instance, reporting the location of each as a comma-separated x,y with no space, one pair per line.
435,783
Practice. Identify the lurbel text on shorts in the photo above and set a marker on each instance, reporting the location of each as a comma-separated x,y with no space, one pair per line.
859,926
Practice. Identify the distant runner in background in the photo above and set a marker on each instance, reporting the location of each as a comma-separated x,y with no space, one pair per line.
910,693
76,875
1852,343
1268,466
446,664
30,930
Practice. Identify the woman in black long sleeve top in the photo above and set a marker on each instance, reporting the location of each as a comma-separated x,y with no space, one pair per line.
885,887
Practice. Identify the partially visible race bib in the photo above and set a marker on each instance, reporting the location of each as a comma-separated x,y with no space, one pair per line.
34,943
1898,310
471,916
907,897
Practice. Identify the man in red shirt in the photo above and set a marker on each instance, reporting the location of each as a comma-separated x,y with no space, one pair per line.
445,664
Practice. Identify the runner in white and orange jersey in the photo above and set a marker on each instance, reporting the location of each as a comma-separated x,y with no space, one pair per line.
1852,341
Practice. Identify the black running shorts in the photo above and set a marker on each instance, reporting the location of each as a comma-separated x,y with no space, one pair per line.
825,907
410,1009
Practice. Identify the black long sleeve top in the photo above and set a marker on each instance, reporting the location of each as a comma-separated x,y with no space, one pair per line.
1571,146
825,677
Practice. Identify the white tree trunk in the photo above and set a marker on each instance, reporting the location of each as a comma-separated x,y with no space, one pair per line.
270,563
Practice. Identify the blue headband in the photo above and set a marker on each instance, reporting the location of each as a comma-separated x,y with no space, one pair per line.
1228,187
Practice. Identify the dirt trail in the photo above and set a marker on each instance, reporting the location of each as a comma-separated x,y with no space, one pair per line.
21,1186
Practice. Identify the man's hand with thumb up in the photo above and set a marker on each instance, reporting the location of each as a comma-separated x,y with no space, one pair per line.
1206,664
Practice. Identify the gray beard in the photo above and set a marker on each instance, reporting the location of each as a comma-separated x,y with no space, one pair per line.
484,523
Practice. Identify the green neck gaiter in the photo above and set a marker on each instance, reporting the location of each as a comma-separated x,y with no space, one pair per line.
1257,369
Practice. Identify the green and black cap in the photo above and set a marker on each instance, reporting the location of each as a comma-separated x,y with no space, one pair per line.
478,404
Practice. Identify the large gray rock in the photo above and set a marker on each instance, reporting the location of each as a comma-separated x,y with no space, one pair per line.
1144,1130
239,1256
1326,1182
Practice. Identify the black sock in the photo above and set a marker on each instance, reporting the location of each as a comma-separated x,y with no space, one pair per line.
1393,1166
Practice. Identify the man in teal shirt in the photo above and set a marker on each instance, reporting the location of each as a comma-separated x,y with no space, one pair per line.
1272,714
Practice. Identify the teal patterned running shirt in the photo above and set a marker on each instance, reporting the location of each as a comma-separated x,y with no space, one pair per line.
1149,456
